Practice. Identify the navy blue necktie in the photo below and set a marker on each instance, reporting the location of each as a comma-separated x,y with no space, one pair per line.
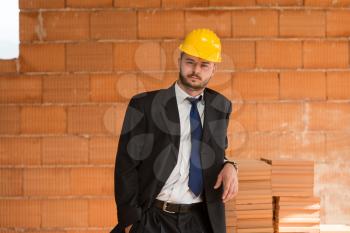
195,181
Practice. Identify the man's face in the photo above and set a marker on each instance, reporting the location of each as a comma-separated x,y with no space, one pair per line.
195,73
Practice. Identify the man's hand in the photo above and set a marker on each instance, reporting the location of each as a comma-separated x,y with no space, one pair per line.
228,177
127,229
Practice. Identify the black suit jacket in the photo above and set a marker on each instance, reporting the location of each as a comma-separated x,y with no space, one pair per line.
148,150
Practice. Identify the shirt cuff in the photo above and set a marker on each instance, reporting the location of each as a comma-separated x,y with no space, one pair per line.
235,165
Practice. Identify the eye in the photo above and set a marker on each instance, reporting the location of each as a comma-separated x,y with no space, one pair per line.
205,65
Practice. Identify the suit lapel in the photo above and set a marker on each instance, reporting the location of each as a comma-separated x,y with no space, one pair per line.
167,118
209,116
172,119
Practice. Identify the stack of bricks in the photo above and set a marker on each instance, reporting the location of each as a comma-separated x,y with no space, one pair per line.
252,209
296,209
297,214
292,178
264,207
285,67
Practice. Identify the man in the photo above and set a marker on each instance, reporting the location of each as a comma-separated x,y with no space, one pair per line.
171,173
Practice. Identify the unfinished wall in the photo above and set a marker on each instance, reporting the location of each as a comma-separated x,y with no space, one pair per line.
286,68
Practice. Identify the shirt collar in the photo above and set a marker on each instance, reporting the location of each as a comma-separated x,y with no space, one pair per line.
181,95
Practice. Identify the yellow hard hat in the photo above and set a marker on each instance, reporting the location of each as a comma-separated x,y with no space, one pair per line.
202,43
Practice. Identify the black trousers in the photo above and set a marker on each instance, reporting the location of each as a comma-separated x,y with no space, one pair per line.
155,220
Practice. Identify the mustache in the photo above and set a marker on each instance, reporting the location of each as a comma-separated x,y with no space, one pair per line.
194,75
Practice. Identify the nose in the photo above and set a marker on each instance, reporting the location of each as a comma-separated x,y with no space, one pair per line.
197,68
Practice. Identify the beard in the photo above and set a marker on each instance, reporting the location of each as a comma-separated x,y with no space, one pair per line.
194,86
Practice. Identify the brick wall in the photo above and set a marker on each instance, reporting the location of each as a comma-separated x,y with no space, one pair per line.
286,68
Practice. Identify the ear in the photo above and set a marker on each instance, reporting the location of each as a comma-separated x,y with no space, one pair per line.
179,59
214,68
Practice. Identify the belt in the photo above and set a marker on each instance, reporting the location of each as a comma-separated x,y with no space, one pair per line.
175,208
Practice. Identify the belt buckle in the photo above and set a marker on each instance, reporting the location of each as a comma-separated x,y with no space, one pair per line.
165,205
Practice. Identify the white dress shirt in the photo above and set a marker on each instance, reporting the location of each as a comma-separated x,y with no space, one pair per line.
176,188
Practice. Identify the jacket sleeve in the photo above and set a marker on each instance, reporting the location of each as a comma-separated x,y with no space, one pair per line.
126,186
228,120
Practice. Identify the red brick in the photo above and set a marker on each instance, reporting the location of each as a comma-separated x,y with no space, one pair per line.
280,117
93,181
184,3
41,4
337,146
244,145
155,81
280,2
113,25
113,88
172,54
254,23
65,150
28,26
303,85
8,66
222,83
337,22
119,111
66,89
20,89
42,57
102,212
138,3
231,3
328,116
244,119
131,56
153,51
20,213
277,145
47,231
90,56
11,182
279,54
89,3
9,120
324,3
237,101
256,86
265,145
310,145
20,151
326,54
124,54
46,119
290,145
218,21
302,23
66,25
102,150
65,213
161,24
338,85
334,173
88,231
236,144
302,146
237,139
237,55
92,119
46,182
